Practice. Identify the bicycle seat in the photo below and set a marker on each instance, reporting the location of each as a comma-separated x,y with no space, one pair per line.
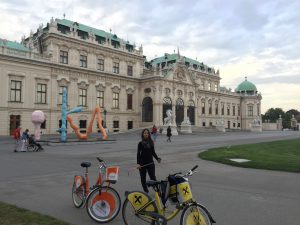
151,183
85,164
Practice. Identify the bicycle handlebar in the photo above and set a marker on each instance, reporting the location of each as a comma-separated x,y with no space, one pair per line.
195,167
101,161
189,173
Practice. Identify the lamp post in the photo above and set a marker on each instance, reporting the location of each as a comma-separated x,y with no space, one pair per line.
104,111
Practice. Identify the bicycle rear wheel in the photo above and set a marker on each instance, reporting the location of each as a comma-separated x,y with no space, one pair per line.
194,214
103,204
78,195
130,217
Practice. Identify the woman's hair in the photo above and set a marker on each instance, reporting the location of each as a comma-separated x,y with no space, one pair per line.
149,136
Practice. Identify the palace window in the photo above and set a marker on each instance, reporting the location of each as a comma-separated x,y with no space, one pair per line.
63,57
115,100
100,98
222,110
82,100
129,101
82,126
203,107
216,108
41,93
43,125
100,64
116,67
15,91
216,87
233,110
83,61
116,126
129,125
239,111
209,86
250,110
202,85
228,110
129,71
209,108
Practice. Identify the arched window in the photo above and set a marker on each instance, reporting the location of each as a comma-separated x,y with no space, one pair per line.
179,111
147,110
191,111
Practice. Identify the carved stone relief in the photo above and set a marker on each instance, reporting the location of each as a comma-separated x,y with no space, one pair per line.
83,85
63,82
100,87
116,89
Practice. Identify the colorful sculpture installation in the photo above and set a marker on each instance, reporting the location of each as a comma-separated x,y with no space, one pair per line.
65,117
37,118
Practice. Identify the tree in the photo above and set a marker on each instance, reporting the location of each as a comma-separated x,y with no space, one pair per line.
272,115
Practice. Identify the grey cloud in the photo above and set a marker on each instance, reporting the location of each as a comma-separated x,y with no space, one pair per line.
288,79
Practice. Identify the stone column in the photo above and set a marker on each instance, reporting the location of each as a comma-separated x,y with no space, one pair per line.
185,113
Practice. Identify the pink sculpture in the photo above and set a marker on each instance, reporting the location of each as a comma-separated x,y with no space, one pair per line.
37,118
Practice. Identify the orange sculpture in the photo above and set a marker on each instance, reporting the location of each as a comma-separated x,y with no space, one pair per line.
84,136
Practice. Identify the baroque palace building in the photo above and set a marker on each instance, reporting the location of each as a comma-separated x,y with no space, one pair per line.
100,69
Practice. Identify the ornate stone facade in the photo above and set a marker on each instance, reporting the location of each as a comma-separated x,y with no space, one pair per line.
98,68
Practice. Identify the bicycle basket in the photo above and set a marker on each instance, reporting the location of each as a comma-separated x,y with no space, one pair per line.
173,190
79,181
112,174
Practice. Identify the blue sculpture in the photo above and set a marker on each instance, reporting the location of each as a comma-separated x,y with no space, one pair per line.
64,113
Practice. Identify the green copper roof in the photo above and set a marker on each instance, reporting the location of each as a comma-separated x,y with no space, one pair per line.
88,29
13,45
246,86
171,57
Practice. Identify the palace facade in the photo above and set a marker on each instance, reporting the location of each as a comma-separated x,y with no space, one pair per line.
100,69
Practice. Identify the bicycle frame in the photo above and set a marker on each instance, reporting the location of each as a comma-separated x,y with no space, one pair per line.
99,181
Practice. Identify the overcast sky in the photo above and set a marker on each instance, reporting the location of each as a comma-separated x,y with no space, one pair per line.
253,38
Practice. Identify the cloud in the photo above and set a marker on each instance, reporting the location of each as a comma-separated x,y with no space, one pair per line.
254,38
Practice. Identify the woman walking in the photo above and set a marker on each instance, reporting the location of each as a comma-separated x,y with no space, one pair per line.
145,155
169,133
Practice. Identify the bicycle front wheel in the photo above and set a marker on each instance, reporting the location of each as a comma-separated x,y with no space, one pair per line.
194,214
130,217
103,204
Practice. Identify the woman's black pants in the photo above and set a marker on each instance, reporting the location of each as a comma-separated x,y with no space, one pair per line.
151,172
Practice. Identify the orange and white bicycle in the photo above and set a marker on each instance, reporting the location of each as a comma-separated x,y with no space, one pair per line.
102,202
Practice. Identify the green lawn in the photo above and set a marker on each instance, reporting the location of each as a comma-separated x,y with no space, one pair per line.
277,155
12,215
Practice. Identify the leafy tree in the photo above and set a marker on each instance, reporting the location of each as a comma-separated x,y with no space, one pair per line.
272,115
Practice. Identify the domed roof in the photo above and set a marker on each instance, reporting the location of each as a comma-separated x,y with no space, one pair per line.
246,86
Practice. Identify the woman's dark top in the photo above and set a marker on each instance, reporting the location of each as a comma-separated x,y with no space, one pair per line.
145,153
169,132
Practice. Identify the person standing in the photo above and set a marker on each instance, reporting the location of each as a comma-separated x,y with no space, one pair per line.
25,137
169,134
154,133
145,155
17,137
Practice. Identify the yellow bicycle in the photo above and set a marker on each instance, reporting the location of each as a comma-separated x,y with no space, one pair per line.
139,208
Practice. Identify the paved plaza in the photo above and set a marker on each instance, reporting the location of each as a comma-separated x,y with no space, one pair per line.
42,181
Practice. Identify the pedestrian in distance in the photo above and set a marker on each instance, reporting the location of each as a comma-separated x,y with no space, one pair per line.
24,138
169,134
145,154
17,137
154,133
